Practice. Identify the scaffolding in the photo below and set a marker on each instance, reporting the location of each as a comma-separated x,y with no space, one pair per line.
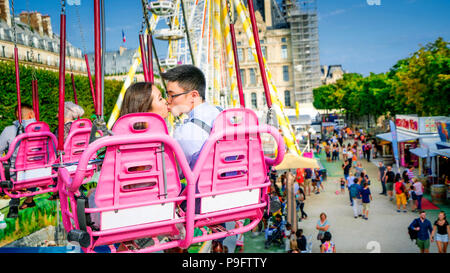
302,18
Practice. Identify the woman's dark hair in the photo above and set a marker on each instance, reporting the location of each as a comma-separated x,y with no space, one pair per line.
397,177
327,236
138,99
299,233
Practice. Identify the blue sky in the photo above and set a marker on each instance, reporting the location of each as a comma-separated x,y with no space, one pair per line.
363,38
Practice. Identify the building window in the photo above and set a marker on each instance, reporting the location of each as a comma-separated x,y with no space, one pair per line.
3,52
287,98
39,57
264,51
242,72
261,42
252,76
285,73
283,40
250,55
240,55
254,100
284,53
238,43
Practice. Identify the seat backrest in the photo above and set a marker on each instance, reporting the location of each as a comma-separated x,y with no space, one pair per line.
234,162
77,140
134,173
35,151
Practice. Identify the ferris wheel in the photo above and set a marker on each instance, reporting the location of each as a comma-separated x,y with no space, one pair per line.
201,32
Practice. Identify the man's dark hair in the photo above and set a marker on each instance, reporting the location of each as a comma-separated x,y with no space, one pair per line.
188,77
299,232
23,107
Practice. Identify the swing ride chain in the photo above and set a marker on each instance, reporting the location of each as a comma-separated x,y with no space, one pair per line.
14,23
230,16
77,12
63,6
33,70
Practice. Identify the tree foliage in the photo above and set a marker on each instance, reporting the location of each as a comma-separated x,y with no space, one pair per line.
48,83
419,85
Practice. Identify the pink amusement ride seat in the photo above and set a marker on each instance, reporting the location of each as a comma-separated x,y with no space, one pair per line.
137,190
33,164
76,142
232,173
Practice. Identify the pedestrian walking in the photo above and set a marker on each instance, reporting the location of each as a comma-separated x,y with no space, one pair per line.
328,152
367,151
400,194
350,181
346,168
349,154
441,232
418,191
366,197
327,246
355,193
389,177
381,173
342,182
423,227
358,169
300,201
308,180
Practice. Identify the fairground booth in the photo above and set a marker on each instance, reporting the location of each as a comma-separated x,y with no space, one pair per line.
414,136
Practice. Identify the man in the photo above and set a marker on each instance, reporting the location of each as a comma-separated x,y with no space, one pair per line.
6,138
424,228
186,95
381,171
389,176
350,181
346,167
368,151
355,193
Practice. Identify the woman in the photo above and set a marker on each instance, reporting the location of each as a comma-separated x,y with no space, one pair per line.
141,97
72,112
300,200
441,232
327,246
322,226
418,192
144,97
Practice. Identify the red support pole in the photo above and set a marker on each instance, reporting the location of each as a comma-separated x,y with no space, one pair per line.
33,95
97,58
90,81
16,63
74,89
150,58
36,98
236,66
62,82
259,53
143,58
